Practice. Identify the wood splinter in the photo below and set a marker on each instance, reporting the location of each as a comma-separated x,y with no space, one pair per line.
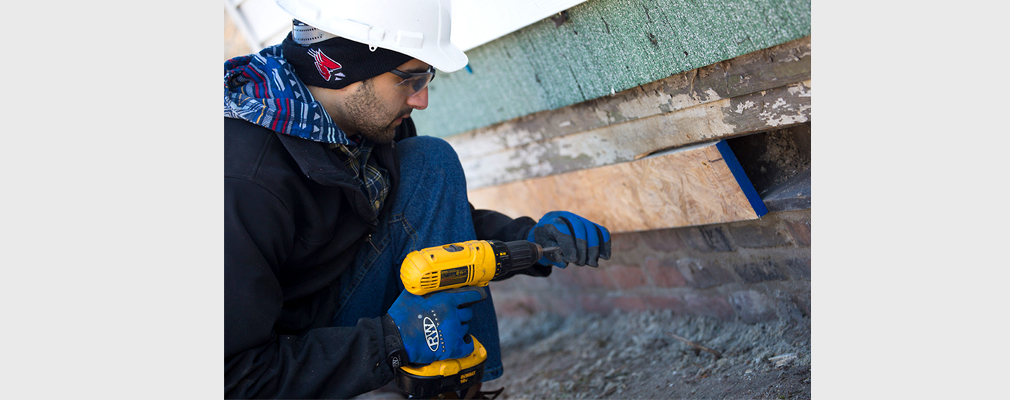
695,345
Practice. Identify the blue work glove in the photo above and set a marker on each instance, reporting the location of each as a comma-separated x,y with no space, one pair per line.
582,241
435,326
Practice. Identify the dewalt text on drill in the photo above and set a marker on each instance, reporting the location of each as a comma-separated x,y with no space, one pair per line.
452,266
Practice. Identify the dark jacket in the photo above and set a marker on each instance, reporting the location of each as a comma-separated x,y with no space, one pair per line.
295,218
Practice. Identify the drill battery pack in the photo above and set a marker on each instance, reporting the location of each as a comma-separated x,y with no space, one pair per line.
443,376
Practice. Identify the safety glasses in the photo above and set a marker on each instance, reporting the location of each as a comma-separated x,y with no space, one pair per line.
413,82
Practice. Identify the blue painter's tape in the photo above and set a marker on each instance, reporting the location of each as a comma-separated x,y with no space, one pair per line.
741,178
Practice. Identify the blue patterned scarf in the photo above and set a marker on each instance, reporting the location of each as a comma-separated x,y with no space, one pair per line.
263,89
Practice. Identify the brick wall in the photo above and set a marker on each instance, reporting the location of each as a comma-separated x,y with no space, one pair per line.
752,270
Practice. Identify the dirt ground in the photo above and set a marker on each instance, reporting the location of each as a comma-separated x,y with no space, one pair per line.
647,356
635,356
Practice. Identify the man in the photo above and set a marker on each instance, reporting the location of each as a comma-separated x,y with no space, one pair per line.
328,187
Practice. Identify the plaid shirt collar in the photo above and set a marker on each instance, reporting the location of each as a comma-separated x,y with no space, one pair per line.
374,180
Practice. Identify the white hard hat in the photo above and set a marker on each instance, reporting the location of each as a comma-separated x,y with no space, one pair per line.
417,28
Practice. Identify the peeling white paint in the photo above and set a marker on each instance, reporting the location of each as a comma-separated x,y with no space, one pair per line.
801,89
681,101
779,103
712,95
518,137
741,107
564,124
644,106
776,119
717,119
604,117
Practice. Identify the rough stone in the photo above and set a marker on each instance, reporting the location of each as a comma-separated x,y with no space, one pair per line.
672,303
759,272
664,273
752,307
520,305
560,304
708,305
594,277
787,307
802,300
623,242
800,231
627,276
706,239
629,303
581,277
700,275
596,304
756,236
797,268
665,240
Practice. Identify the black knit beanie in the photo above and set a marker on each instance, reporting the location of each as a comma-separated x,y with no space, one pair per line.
337,62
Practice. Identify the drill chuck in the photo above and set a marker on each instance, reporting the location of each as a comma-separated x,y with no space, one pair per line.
511,256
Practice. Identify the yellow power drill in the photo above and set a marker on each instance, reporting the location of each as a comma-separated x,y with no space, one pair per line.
452,266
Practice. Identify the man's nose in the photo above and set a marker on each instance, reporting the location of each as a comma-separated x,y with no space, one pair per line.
419,100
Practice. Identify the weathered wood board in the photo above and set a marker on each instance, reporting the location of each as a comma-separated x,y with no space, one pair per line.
762,70
696,185
771,109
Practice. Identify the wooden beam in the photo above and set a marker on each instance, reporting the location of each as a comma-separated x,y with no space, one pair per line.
697,185
770,109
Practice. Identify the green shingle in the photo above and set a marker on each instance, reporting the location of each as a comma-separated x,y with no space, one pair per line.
605,46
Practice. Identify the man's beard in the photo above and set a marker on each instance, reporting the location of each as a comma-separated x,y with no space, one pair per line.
363,107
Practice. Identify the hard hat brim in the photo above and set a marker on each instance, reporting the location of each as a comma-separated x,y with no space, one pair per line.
421,31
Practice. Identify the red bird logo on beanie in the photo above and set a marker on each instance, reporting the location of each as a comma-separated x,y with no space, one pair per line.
325,65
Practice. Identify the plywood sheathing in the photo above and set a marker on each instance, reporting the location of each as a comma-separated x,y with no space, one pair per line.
685,187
